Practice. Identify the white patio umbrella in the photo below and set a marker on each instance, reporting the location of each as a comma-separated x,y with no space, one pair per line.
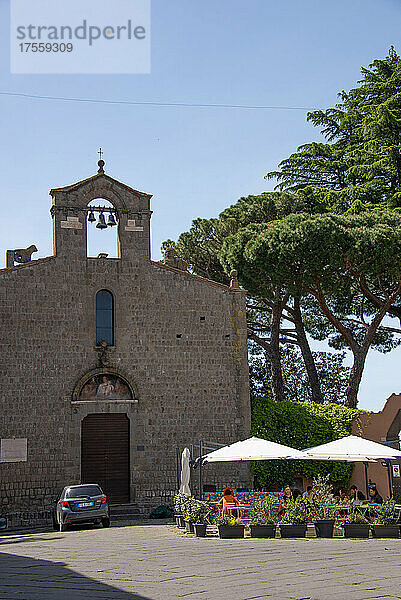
253,448
354,449
185,472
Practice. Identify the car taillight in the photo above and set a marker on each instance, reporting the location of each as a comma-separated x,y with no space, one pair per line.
104,499
65,504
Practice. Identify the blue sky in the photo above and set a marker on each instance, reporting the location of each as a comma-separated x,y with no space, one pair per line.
196,161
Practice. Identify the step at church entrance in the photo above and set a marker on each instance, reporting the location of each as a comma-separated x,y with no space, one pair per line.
105,454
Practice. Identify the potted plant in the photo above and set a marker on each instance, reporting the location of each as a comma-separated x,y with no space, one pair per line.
229,527
356,526
322,508
385,521
190,512
179,503
202,512
261,514
295,519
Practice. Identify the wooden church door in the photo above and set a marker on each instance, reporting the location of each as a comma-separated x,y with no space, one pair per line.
105,455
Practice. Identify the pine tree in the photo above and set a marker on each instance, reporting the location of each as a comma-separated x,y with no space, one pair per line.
359,166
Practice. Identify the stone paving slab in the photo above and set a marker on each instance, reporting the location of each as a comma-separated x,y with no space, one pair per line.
159,562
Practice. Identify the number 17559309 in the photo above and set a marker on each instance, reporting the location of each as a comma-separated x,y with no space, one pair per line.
48,47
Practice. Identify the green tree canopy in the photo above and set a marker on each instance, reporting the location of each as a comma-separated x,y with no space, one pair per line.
359,166
341,262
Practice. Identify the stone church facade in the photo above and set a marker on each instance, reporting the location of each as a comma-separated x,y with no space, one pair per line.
76,408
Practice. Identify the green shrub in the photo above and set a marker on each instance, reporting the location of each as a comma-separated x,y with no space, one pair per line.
300,426
386,514
357,518
322,503
261,512
295,512
226,520
180,502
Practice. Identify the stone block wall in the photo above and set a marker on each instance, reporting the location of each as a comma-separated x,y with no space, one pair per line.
181,341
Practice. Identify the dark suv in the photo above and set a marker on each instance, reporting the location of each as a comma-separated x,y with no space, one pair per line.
84,503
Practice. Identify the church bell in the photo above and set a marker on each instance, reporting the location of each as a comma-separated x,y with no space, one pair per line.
111,221
91,217
102,223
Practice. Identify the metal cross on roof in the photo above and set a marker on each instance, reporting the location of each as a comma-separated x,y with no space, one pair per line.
100,153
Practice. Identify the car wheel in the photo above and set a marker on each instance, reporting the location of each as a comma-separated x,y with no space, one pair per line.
106,522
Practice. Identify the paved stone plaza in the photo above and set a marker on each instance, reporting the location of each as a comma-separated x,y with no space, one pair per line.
156,562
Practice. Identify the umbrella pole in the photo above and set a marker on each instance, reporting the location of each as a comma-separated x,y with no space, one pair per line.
366,480
390,481
178,463
200,469
191,463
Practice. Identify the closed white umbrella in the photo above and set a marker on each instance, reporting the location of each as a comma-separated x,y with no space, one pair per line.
253,448
185,472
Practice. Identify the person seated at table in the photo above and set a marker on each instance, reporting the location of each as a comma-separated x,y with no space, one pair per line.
356,496
335,495
287,496
296,493
374,496
228,498
343,499
308,494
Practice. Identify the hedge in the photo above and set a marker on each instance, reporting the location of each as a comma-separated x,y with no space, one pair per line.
300,425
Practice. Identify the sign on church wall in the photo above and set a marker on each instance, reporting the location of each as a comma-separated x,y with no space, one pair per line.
13,450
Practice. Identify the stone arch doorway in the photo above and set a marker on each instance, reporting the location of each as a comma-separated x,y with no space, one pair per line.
105,450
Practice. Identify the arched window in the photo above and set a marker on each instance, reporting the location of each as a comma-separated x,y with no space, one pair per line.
104,318
103,238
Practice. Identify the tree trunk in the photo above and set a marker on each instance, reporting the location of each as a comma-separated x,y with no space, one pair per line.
313,377
355,377
275,360
277,383
359,351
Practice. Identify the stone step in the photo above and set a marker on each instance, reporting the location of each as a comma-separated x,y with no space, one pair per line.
125,512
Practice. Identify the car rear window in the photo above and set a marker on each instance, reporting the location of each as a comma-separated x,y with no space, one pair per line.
85,490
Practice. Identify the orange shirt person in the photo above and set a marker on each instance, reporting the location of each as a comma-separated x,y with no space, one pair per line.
228,498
